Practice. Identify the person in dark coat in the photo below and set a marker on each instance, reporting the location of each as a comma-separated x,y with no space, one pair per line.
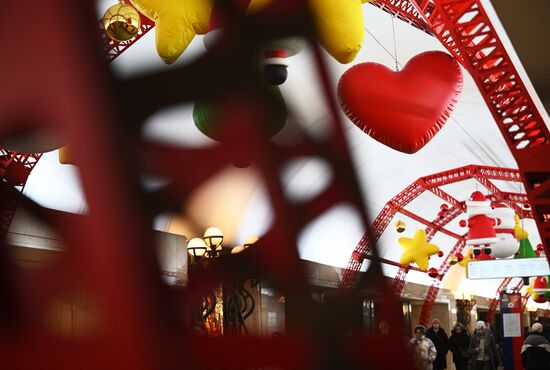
439,338
459,343
535,352
482,349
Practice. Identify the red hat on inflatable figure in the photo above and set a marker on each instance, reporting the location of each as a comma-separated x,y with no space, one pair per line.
480,223
507,244
275,53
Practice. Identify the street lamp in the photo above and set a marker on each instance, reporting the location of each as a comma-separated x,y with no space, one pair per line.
228,305
464,305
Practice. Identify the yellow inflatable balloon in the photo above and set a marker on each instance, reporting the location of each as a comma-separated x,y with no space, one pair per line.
339,24
340,27
520,232
176,23
417,250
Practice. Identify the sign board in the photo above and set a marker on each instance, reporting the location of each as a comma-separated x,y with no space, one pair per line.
520,267
512,328
511,325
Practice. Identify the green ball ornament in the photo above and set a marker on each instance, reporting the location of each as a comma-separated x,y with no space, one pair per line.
206,116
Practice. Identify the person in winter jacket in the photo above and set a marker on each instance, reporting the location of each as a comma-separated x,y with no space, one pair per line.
535,352
422,349
441,342
459,343
482,349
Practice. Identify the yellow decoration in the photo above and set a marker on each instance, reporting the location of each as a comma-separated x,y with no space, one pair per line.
417,249
340,27
400,226
464,262
121,22
65,155
339,24
176,23
520,232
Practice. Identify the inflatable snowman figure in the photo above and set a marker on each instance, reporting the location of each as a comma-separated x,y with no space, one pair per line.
480,223
507,244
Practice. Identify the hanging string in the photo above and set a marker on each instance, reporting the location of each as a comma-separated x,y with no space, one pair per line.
394,43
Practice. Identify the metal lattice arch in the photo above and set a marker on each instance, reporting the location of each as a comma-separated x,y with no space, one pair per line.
433,184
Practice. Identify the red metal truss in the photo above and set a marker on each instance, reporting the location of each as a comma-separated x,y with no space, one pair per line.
524,300
398,282
465,29
496,299
433,183
405,11
434,288
14,171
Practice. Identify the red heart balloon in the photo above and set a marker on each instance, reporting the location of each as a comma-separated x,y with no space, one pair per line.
403,110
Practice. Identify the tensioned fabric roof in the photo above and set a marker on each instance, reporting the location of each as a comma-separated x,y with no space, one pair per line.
236,201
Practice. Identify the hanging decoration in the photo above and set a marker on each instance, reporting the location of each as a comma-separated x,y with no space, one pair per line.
340,25
433,273
176,23
121,22
417,249
525,248
540,251
209,119
507,245
400,226
539,289
443,209
480,223
403,110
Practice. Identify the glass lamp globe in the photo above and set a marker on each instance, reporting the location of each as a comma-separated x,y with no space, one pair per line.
237,249
250,241
196,247
213,237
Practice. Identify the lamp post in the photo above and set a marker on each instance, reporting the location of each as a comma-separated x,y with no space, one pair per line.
464,306
226,308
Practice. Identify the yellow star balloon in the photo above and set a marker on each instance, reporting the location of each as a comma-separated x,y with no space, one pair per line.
520,232
340,26
464,262
417,249
176,23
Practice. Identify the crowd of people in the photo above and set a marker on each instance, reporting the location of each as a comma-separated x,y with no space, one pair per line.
479,351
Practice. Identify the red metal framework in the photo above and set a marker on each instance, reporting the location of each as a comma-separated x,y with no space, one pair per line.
433,184
496,299
465,29
434,288
14,171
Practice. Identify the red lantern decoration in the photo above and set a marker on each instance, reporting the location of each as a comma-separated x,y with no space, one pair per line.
440,254
403,110
459,257
444,207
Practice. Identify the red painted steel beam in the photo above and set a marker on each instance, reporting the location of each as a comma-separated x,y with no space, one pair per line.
429,224
494,303
404,11
434,288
